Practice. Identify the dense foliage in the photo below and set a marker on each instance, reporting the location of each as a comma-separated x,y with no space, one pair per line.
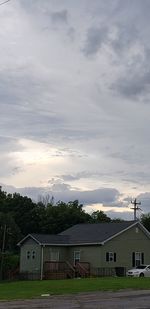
20,216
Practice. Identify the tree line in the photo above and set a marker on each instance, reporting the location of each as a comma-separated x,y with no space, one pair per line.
19,216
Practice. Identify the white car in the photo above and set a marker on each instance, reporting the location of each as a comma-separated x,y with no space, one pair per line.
139,271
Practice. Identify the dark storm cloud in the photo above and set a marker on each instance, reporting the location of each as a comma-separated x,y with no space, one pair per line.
106,196
132,156
29,124
63,192
94,40
60,17
135,83
22,105
144,198
126,37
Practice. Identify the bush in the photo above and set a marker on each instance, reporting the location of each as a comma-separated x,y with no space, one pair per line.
9,266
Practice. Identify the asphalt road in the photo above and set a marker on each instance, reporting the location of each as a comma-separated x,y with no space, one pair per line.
100,300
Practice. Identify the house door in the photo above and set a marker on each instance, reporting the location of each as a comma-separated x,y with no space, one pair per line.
76,257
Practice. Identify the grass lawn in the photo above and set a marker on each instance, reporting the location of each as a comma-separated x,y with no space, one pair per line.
34,289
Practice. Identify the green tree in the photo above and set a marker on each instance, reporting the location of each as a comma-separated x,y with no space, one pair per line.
3,197
22,209
145,220
63,215
10,233
100,216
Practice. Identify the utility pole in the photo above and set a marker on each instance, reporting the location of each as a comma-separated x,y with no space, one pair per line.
135,207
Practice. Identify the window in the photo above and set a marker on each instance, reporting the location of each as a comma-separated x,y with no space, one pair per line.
28,255
76,257
137,258
54,256
33,255
110,257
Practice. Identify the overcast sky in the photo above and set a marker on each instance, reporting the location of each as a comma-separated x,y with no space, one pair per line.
75,101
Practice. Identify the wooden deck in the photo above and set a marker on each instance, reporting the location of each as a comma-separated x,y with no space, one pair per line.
64,270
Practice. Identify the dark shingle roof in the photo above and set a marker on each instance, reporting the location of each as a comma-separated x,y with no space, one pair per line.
93,233
50,239
85,233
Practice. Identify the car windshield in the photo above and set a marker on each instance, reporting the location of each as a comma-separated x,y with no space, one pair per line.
140,267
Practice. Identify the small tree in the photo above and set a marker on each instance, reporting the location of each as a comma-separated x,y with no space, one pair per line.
100,216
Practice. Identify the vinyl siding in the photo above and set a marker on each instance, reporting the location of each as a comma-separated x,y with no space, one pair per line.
63,252
124,245
90,254
30,265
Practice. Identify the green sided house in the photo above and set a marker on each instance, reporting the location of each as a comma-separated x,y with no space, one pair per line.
100,249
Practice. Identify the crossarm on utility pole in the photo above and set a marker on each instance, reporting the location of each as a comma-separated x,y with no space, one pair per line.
135,208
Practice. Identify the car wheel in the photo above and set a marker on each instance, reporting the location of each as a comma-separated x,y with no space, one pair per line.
141,275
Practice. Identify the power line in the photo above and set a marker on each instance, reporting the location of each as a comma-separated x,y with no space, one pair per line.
4,2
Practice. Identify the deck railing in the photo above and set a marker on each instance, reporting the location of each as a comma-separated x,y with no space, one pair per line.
64,269
83,269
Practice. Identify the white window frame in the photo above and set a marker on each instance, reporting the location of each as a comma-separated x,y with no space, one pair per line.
111,256
138,258
54,256
77,256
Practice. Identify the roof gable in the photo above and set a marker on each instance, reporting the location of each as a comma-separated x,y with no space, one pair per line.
85,234
45,239
135,224
99,232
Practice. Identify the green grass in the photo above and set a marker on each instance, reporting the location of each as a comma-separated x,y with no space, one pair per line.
34,289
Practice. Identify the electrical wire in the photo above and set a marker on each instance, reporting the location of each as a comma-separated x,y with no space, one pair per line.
4,2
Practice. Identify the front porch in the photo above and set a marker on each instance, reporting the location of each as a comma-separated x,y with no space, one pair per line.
64,270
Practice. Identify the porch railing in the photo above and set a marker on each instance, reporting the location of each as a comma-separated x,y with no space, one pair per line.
83,269
58,269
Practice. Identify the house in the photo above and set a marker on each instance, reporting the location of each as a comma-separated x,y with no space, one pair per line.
85,249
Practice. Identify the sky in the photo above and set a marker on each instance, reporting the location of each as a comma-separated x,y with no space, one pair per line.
75,102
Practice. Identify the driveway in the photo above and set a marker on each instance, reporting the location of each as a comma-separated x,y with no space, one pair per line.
100,300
